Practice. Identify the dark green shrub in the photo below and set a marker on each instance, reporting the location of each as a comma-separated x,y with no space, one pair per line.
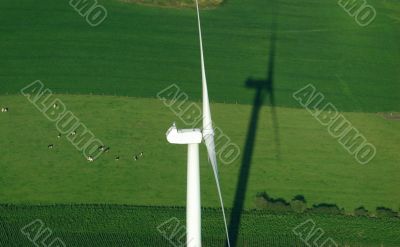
263,201
325,208
361,211
298,204
383,212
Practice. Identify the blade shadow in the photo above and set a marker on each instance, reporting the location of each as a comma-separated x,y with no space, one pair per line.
263,89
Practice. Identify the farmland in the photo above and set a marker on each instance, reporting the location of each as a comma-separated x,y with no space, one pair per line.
140,50
105,225
63,175
109,77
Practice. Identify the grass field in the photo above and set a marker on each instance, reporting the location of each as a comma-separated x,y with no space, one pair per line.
109,76
312,163
139,50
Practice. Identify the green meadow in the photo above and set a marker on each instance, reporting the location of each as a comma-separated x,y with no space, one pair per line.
139,50
311,162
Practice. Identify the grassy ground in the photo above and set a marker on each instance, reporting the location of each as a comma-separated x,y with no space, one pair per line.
311,162
139,50
110,225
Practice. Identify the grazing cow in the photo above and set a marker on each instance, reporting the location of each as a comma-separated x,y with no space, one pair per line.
90,159
73,133
4,109
50,146
55,106
101,148
116,157
59,135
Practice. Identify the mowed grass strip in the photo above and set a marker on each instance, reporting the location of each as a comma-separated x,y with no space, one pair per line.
139,50
311,162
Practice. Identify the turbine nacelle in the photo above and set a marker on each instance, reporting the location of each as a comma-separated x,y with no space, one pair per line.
183,136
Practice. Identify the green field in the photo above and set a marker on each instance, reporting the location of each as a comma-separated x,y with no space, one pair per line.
140,50
109,76
112,225
322,170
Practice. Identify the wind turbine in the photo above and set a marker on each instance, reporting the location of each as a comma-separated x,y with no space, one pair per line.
193,137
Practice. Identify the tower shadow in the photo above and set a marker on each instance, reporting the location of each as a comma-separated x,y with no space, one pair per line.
263,88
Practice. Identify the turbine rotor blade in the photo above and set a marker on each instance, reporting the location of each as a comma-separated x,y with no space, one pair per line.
208,131
209,141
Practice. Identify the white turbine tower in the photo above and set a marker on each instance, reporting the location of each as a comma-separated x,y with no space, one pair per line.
192,137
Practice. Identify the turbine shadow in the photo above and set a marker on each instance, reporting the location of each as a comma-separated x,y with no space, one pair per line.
263,89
